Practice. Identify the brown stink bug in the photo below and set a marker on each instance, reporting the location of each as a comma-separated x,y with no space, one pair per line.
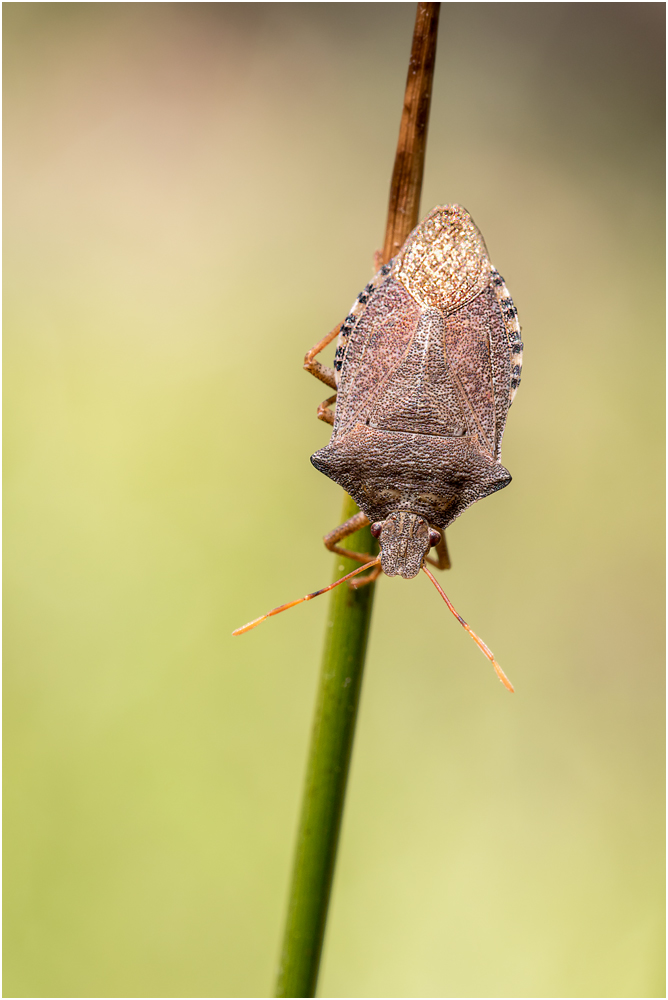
427,364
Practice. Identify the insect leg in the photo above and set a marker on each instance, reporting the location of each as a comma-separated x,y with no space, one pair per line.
361,581
442,560
324,412
322,372
348,527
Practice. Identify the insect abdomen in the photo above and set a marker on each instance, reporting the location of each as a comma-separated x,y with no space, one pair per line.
512,324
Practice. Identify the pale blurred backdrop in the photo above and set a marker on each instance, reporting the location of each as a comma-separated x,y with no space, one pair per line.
193,194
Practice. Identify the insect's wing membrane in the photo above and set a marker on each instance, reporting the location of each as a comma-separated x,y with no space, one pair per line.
484,350
376,347
443,270
472,337
444,264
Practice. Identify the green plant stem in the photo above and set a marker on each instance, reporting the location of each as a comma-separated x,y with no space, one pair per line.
346,637
349,615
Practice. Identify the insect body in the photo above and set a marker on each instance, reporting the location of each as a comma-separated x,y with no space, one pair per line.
426,366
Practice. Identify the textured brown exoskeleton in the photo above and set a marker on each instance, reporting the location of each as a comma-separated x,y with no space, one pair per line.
427,364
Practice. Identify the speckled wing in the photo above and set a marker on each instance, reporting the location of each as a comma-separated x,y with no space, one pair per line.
393,371
374,350
445,266
427,362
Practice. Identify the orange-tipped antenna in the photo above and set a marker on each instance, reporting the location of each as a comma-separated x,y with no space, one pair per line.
309,597
486,650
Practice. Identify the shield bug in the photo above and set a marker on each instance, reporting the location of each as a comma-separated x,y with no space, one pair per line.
427,363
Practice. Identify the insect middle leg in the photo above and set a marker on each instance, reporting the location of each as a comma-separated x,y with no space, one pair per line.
322,372
324,412
361,581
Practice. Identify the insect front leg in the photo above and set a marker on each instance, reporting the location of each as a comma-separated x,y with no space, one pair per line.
324,412
322,372
349,527
442,560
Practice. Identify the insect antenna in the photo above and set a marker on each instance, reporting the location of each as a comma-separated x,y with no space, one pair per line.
309,597
486,650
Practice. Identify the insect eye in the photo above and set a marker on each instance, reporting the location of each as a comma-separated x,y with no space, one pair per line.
376,529
434,536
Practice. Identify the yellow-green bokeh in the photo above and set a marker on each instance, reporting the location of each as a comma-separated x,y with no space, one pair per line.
193,193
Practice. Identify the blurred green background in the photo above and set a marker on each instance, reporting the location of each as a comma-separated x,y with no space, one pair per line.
193,194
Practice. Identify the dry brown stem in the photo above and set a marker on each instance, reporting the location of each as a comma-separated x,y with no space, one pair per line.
406,188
